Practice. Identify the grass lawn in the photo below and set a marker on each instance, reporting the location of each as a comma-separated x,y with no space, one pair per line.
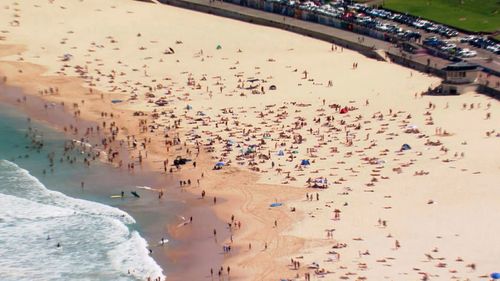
472,15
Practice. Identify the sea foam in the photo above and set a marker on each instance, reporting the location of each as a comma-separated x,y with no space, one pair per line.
94,240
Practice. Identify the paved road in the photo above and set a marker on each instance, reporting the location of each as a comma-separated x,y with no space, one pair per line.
339,33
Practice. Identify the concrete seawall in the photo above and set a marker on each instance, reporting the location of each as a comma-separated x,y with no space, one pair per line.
407,62
266,21
373,48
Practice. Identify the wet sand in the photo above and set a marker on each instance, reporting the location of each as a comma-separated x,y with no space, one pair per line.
157,218
375,180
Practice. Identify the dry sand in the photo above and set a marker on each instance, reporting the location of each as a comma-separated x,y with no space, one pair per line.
439,199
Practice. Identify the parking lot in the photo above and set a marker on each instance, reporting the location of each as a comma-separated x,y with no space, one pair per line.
448,42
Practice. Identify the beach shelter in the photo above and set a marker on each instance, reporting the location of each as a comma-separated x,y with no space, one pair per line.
219,47
219,164
405,147
189,107
305,162
344,110
281,153
275,205
495,275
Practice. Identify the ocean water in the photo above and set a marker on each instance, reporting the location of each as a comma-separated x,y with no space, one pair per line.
46,233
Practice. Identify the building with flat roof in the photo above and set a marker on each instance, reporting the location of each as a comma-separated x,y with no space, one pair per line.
460,77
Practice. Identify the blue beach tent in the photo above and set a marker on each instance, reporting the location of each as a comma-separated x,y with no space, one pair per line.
405,147
305,162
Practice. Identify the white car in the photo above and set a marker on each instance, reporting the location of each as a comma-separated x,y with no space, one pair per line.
449,46
466,53
467,38
493,48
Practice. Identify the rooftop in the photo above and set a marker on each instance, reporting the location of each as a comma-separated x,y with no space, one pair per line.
460,66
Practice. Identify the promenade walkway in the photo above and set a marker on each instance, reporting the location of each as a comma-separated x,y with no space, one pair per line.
322,32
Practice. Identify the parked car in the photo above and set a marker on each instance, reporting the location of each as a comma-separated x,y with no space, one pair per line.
466,53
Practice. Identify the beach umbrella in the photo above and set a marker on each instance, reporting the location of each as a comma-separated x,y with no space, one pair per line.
495,275
219,164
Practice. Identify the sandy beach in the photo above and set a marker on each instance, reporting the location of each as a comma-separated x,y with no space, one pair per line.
317,161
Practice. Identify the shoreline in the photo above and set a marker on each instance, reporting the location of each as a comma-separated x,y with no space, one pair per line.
211,183
188,242
330,169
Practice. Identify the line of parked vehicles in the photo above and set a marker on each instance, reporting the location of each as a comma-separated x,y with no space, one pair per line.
403,26
449,47
480,42
368,14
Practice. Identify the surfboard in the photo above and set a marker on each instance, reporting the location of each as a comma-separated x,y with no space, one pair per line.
165,241
117,196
